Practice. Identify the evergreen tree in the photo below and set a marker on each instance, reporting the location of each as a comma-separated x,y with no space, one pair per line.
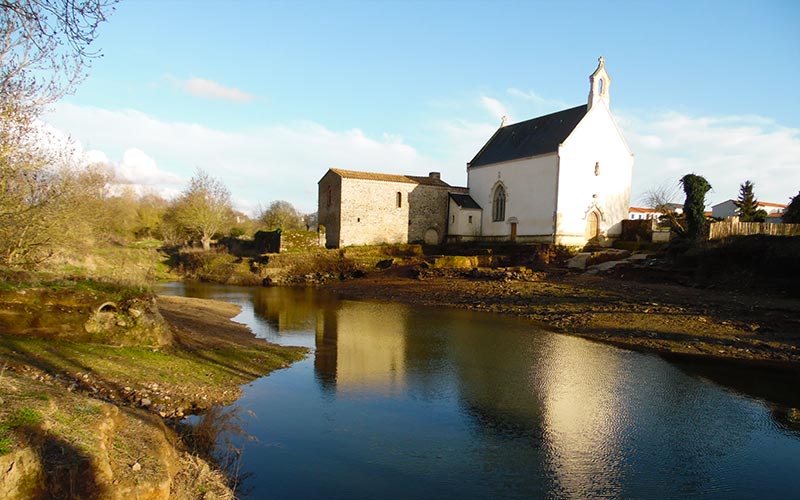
695,187
747,205
792,213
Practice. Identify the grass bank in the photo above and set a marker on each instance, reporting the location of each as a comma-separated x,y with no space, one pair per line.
83,415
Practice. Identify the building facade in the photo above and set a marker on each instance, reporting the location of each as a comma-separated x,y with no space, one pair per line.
365,208
561,178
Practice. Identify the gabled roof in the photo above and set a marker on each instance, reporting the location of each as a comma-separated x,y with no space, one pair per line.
373,176
772,205
464,201
530,138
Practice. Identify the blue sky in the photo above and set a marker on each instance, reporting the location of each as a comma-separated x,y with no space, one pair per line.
267,96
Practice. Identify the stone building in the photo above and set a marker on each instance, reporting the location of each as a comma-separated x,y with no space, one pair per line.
562,178
365,208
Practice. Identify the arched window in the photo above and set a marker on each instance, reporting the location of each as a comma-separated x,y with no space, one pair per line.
600,86
499,204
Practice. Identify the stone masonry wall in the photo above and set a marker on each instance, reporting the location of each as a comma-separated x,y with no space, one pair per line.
369,212
366,212
328,209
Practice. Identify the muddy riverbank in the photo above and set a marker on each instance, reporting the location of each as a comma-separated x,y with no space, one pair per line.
665,318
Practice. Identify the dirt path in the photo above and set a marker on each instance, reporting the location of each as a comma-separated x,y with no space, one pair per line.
663,318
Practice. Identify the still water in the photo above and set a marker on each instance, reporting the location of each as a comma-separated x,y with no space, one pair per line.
406,402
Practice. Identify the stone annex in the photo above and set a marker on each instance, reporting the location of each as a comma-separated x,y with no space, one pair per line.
562,178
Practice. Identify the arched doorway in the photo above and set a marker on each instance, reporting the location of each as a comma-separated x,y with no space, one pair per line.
592,226
431,237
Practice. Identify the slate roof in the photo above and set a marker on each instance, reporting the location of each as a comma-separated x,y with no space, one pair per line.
530,138
464,201
373,176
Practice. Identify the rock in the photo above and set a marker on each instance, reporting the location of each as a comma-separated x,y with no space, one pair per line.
145,402
580,261
136,467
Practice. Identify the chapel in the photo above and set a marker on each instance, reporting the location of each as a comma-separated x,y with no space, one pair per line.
562,178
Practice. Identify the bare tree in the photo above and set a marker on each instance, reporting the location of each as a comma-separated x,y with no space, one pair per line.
204,208
281,215
45,45
45,198
662,199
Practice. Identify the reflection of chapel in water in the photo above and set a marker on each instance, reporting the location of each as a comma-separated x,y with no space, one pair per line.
358,349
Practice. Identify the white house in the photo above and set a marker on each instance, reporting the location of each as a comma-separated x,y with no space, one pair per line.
641,213
728,209
562,178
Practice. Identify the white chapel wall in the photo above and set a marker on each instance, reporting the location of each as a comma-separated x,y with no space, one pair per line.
595,142
530,185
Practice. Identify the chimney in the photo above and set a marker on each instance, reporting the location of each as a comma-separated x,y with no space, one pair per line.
435,175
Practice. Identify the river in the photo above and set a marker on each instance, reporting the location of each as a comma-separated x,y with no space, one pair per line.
399,401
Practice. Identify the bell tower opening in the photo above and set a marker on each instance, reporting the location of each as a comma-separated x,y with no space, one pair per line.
599,85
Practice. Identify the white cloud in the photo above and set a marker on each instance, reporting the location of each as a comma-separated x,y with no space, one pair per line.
259,166
725,150
495,108
285,161
137,168
209,89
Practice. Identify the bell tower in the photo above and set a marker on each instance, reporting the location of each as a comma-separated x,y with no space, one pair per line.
599,85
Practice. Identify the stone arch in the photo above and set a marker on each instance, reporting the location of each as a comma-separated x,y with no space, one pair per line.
107,307
431,236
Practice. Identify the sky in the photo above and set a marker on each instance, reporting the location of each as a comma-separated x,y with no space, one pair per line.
267,95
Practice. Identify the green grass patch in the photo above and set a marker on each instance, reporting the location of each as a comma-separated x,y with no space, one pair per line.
5,443
24,417
124,366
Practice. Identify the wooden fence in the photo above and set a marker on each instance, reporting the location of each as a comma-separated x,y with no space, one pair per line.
719,230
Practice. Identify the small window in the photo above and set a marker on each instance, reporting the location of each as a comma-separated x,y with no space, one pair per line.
330,196
399,199
358,219
453,220
469,219
600,86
